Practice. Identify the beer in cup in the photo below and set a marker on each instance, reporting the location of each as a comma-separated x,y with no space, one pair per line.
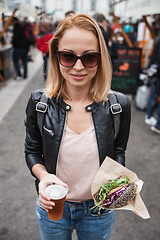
57,193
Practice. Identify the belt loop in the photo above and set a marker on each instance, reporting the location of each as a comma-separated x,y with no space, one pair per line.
85,207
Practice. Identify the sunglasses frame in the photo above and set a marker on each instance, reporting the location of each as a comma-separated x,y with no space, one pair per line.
78,57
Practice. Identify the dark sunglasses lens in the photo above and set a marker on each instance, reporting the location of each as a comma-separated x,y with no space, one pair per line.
90,59
67,59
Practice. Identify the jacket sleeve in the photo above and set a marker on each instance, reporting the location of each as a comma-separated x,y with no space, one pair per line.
40,44
155,57
33,140
120,143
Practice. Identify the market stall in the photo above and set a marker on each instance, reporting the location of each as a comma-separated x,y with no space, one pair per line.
126,68
6,64
143,8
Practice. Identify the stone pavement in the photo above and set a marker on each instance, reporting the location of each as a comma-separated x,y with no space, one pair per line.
17,190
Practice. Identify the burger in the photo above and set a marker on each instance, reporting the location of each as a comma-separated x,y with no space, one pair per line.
115,193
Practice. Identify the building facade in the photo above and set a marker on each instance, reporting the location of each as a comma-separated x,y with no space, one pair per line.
89,7
60,7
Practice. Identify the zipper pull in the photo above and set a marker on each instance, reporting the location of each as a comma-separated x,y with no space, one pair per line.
49,131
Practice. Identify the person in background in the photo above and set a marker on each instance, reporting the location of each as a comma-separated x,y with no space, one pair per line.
78,129
129,29
102,22
114,26
30,34
112,45
44,35
155,91
20,49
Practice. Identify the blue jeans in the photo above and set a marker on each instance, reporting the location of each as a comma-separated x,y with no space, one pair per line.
76,216
151,102
20,53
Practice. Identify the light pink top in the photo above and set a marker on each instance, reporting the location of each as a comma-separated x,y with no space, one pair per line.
78,163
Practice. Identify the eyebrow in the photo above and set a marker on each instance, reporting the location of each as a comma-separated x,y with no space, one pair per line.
87,51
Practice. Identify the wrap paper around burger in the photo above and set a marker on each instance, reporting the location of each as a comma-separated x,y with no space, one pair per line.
130,199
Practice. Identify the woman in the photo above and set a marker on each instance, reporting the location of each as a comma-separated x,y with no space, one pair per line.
78,129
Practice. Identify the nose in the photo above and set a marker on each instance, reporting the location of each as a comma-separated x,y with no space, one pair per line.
78,65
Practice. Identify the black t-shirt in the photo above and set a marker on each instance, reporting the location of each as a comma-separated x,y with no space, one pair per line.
19,39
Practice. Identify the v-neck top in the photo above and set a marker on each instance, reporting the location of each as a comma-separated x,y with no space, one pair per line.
78,163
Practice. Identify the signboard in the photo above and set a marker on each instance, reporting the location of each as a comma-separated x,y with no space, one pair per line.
27,10
140,32
142,7
126,70
119,9
3,6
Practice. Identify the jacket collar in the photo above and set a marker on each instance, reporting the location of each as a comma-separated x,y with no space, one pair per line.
67,107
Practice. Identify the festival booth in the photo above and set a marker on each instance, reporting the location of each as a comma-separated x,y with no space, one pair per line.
29,13
126,68
6,64
144,8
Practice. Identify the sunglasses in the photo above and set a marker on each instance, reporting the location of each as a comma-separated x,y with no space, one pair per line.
68,59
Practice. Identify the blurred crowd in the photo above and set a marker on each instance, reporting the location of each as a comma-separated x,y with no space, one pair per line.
112,32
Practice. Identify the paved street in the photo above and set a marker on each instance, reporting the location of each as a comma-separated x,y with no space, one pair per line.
17,190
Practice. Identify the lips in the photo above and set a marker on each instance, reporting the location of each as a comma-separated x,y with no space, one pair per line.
78,76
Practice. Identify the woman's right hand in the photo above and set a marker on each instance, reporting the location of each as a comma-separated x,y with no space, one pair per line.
44,199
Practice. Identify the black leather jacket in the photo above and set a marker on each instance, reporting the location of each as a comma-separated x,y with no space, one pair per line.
45,150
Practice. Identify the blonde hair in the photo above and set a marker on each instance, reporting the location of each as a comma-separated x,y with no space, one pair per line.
100,86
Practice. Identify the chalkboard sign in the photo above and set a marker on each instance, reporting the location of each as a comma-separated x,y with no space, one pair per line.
126,69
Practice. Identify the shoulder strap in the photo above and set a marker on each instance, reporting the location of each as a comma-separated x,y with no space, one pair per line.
116,109
41,108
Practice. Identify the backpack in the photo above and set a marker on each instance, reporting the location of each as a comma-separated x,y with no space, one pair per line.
29,34
141,99
115,107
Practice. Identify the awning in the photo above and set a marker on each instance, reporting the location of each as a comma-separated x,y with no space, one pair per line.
4,6
142,7
27,10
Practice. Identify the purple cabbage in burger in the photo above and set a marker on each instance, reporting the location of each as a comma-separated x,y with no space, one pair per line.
116,193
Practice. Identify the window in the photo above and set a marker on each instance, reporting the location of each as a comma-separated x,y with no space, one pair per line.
59,4
93,5
74,3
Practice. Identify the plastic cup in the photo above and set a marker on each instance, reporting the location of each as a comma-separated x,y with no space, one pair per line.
57,193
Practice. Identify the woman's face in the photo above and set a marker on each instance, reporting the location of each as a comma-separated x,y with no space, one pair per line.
78,41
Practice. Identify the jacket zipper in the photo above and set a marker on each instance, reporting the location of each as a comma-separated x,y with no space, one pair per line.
61,142
95,136
49,131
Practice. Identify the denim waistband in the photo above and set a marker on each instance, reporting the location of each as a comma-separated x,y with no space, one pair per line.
84,204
